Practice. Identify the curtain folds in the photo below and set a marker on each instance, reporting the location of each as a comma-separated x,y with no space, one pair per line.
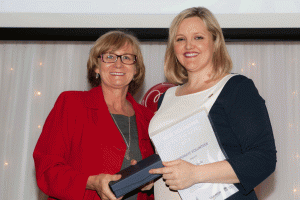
34,73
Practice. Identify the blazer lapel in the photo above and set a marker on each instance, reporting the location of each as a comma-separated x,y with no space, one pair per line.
101,117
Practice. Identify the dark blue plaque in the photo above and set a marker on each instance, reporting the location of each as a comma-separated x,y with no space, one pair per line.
136,175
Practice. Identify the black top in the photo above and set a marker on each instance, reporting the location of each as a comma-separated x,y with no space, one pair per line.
242,125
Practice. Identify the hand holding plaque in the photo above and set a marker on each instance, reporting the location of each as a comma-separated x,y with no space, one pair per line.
136,176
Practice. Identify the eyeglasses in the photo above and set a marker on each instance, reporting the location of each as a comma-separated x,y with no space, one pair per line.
128,59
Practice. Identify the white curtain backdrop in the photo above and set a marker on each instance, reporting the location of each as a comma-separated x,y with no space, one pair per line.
33,74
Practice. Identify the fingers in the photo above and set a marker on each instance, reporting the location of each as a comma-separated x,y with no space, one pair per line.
148,186
172,163
175,184
133,162
106,193
171,183
175,187
167,169
169,176
102,186
115,177
163,170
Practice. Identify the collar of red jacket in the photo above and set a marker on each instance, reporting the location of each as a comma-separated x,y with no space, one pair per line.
94,98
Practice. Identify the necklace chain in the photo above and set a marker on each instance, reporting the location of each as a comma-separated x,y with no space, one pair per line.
127,143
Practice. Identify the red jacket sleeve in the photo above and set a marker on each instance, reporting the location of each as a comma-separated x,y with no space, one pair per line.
53,174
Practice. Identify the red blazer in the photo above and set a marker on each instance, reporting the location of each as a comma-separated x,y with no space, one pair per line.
80,139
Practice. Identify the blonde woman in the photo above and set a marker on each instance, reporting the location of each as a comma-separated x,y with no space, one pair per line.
197,60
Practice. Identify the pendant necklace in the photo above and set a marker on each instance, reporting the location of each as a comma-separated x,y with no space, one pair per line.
127,156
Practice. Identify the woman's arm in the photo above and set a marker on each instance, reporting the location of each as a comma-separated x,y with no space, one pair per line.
180,174
249,120
54,176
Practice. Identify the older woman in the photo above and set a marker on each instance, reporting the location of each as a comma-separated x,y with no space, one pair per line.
90,136
197,60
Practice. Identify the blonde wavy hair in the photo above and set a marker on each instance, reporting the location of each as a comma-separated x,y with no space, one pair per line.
222,64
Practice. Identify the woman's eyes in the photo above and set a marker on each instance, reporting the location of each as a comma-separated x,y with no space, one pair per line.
179,39
110,56
196,38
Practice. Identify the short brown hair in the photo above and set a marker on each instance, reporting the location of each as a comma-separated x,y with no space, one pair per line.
114,40
222,64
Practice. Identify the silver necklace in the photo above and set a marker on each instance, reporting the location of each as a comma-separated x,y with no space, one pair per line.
127,156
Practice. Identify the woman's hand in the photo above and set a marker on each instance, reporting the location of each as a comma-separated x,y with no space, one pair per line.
100,184
178,174
147,186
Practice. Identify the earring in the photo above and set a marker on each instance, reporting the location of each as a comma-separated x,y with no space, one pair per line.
97,75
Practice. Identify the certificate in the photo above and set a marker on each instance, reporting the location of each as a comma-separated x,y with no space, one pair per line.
192,139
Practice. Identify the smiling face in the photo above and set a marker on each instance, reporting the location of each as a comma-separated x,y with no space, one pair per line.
117,75
194,46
